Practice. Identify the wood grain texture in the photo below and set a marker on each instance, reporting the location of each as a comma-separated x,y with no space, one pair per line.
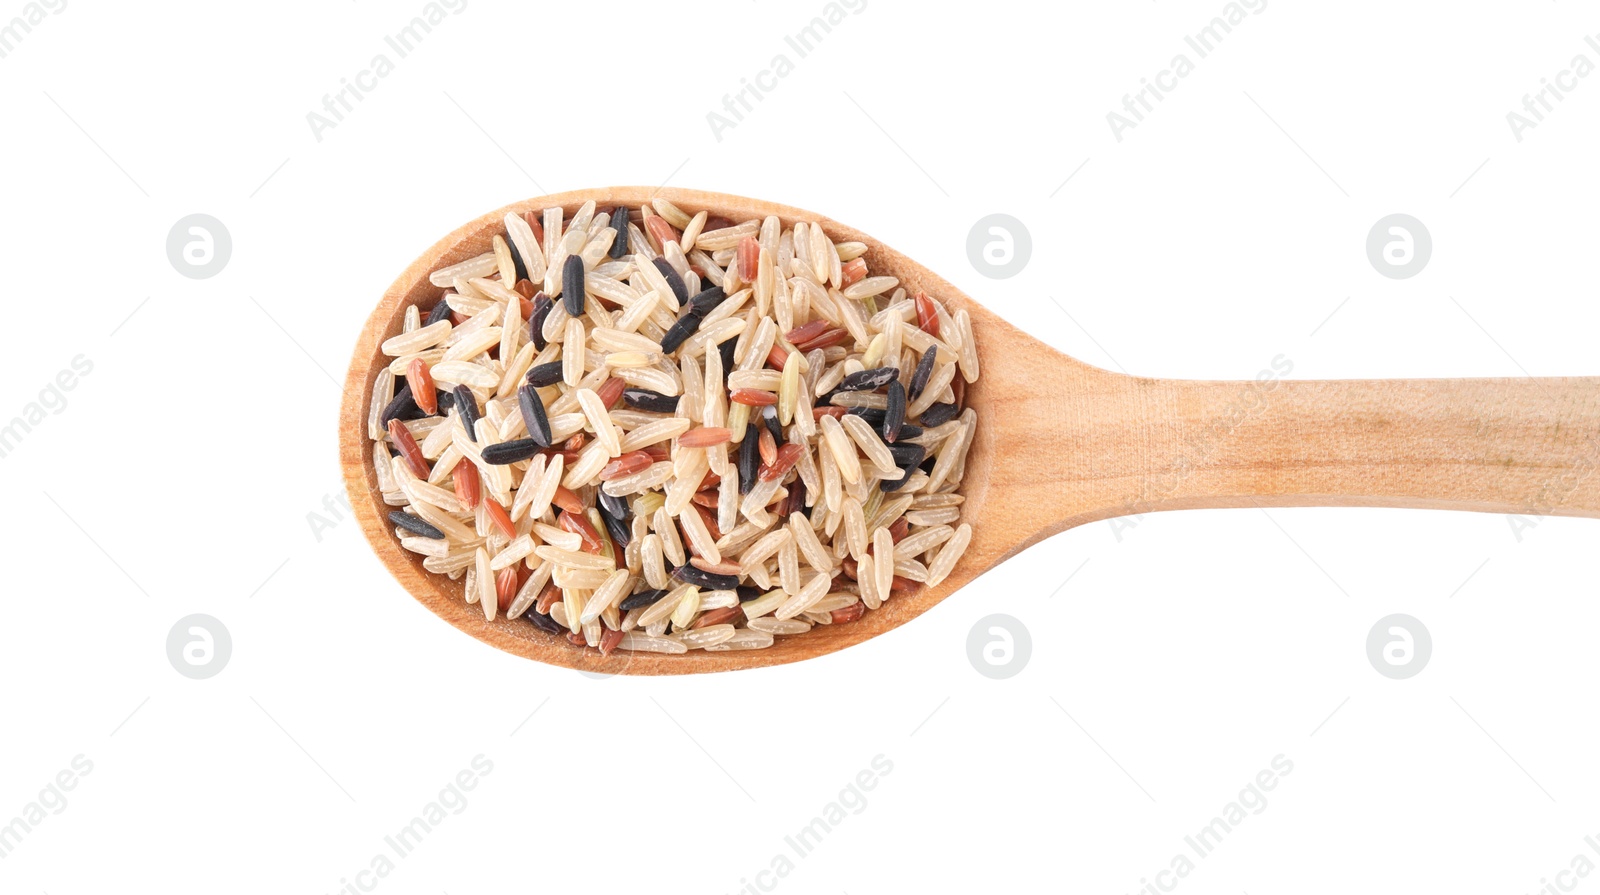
1061,443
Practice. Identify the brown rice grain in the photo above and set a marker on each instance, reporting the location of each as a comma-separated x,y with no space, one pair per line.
703,638
645,643
743,639
842,449
867,582
688,606
769,625
952,551
942,516
789,567
488,599
674,215
884,560
813,591
417,340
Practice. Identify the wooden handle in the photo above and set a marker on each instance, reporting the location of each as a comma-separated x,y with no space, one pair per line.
1069,444
1526,446
1061,443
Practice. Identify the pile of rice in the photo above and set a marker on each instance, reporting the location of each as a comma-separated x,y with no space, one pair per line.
651,429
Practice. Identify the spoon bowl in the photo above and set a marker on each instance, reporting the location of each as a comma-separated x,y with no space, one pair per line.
1061,443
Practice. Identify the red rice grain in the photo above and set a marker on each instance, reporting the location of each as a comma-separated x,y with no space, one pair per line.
898,529
726,567
749,254
710,519
777,356
852,272
421,382
661,231
754,397
705,436
497,516
505,586
578,525
548,597
828,339
610,391
627,464
847,614
783,461
724,616
927,315
409,451
566,500
468,485
807,331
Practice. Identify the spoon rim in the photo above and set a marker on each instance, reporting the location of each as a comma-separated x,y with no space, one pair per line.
443,597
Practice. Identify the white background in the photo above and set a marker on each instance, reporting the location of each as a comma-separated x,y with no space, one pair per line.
1226,229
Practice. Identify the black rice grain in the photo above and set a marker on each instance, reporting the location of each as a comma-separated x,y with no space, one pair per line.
797,496
749,462
642,599
907,454
707,300
619,220
541,310
544,622
726,350
701,578
919,379
748,592
572,291
441,311
683,329
907,457
939,414
467,407
680,290
402,407
645,399
516,259
612,505
541,375
894,416
533,416
769,416
415,525
873,415
889,485
507,452
868,380
621,534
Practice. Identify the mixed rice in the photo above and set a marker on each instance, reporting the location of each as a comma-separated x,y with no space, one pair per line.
650,429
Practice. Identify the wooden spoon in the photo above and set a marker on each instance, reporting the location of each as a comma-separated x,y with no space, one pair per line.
1061,443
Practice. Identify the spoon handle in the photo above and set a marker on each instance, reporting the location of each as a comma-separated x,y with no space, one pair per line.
1523,446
